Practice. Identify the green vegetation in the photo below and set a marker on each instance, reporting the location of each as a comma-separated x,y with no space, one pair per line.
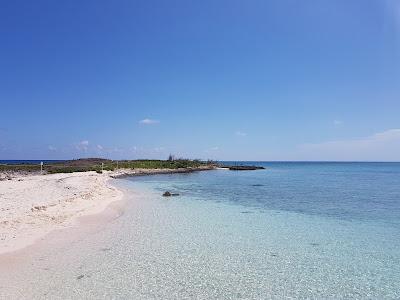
97,164
160,164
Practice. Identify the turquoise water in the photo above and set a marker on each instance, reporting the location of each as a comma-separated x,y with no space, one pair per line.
366,192
324,230
292,231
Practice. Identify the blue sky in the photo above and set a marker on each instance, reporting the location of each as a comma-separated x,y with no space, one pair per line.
233,80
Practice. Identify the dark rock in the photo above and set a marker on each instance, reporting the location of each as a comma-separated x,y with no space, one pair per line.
169,194
245,168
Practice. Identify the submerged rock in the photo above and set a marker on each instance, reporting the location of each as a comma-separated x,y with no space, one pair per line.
169,194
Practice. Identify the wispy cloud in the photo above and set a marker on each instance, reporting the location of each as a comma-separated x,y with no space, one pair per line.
82,146
52,148
99,147
212,149
149,122
382,146
240,133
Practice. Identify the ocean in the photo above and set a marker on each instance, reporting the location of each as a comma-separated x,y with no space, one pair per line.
293,230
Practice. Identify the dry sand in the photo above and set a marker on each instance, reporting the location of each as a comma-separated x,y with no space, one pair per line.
32,206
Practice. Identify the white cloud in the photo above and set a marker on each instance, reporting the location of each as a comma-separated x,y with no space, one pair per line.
82,145
149,122
391,134
52,148
382,146
100,147
240,133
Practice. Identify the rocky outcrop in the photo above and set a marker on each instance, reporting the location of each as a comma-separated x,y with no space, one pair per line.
169,194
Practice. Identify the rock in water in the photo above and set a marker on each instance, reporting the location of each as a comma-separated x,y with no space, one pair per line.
168,194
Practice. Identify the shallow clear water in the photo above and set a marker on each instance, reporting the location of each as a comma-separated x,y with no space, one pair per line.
367,192
301,229
294,230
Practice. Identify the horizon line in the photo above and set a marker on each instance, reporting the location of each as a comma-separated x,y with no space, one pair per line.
219,160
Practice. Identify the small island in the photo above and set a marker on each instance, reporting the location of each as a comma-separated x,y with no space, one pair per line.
99,165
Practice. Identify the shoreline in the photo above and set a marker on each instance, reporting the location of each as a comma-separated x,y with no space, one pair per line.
122,173
33,205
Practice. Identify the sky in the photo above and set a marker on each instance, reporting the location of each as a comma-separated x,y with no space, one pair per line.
225,80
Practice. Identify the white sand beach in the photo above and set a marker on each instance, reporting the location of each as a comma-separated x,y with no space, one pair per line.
31,206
